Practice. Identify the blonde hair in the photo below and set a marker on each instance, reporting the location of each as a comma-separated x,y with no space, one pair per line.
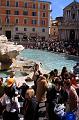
30,92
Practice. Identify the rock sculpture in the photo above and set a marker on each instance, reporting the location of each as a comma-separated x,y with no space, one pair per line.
8,51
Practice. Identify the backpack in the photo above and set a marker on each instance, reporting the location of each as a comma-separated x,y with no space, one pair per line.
70,116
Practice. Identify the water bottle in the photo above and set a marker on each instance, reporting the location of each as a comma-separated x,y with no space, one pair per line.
70,116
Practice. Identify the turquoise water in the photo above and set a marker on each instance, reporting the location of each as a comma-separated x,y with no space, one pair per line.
3,74
50,60
6,74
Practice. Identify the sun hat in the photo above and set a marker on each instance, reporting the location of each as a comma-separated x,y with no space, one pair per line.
10,82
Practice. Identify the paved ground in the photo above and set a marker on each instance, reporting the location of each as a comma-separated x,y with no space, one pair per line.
21,116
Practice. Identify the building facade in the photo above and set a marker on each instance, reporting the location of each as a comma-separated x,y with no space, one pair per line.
24,18
54,34
69,28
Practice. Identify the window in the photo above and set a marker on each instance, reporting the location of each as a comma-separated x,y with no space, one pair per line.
25,4
33,29
43,30
17,21
16,12
7,20
44,7
25,12
43,22
7,3
34,6
7,11
33,13
25,29
34,22
16,29
16,4
69,12
25,21
44,14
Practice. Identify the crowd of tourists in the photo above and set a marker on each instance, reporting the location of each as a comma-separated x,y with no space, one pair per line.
54,96
55,45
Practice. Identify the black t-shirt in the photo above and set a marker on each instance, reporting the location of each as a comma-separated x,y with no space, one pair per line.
56,96
23,89
10,91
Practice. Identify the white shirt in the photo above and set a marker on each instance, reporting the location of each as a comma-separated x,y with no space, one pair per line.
11,106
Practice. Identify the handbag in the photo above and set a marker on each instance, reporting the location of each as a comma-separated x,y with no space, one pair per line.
59,110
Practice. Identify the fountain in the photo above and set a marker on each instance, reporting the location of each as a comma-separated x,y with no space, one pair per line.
8,51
